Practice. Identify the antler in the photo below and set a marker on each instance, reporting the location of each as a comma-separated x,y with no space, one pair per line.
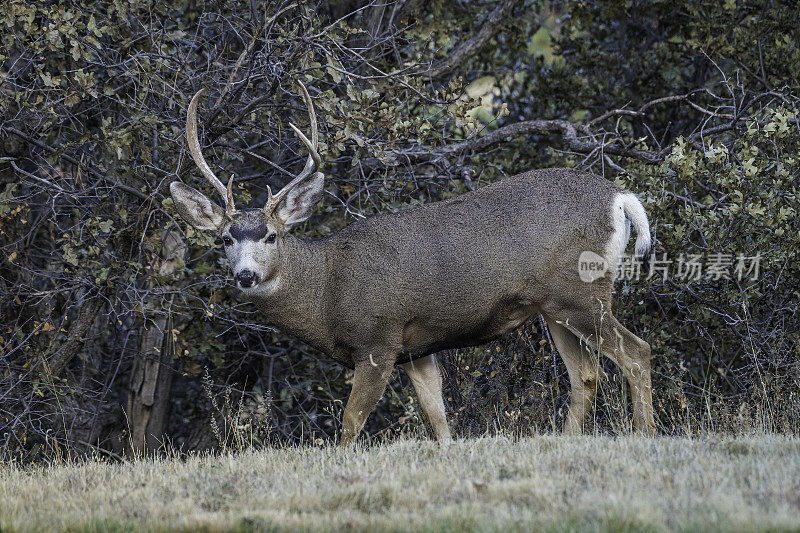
312,163
200,161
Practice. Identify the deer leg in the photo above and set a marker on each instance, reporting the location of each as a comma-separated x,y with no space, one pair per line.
427,380
584,375
604,332
369,384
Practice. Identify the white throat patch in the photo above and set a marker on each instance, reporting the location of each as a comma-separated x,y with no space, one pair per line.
267,288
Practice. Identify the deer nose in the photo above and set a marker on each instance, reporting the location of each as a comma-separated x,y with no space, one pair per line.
246,278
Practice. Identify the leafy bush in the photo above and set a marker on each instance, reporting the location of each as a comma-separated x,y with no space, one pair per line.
113,310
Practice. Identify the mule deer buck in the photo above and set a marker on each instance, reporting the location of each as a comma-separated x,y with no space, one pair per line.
394,289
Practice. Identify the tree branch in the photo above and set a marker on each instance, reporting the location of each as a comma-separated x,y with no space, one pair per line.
641,110
57,360
567,130
471,46
70,159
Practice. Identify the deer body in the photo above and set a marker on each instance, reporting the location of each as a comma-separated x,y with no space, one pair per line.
444,275
394,289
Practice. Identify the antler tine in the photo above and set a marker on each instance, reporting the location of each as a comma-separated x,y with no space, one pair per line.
311,115
313,156
229,208
313,161
200,161
269,196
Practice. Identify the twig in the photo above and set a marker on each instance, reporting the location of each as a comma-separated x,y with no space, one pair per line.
37,178
246,52
267,161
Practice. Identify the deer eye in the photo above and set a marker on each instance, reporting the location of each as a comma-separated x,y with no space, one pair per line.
227,241
270,238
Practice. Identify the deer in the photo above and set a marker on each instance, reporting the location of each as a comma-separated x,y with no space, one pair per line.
392,290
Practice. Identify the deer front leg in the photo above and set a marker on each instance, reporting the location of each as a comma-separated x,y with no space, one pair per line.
369,383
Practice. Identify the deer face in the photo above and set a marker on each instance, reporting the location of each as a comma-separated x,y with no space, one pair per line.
252,238
251,244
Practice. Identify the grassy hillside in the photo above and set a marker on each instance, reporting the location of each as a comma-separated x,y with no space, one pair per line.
492,484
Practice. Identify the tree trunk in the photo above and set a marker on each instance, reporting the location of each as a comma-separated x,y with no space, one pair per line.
151,382
151,376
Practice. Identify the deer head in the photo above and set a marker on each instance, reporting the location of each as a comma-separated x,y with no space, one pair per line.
253,238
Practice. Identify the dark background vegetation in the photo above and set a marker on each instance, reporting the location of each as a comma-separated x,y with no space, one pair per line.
121,332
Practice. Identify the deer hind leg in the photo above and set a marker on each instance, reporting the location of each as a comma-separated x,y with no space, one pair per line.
604,332
584,375
369,384
427,380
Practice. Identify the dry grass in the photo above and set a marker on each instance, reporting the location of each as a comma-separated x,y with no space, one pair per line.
490,484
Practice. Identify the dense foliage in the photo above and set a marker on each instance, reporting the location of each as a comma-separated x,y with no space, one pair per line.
119,321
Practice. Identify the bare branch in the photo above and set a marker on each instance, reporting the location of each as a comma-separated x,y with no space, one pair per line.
244,55
471,46
70,159
567,130
56,361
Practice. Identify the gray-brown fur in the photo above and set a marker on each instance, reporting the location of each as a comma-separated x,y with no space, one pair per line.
447,274
394,289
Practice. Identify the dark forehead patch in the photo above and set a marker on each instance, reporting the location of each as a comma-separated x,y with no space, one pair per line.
250,225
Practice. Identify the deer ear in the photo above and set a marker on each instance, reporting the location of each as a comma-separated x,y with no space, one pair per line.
196,208
299,203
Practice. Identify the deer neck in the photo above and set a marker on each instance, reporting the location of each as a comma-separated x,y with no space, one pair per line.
293,300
